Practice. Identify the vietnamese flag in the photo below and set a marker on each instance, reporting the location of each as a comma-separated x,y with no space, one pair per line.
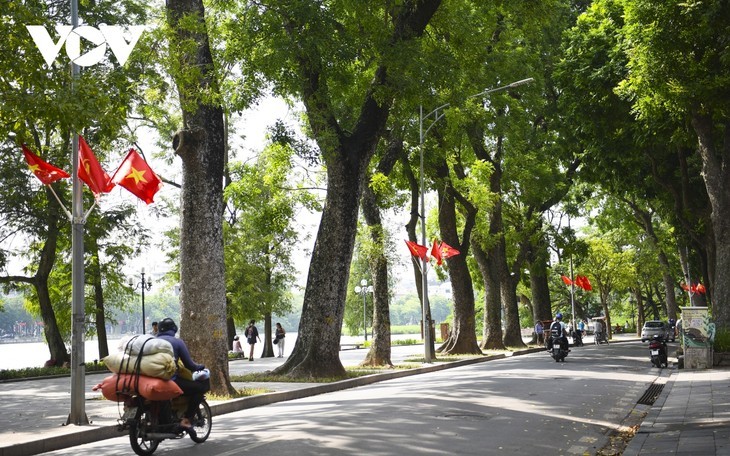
436,252
567,280
44,171
135,175
91,172
583,282
447,251
417,250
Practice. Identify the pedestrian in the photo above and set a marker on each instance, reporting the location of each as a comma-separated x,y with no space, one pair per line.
540,332
279,334
582,327
237,348
154,328
252,334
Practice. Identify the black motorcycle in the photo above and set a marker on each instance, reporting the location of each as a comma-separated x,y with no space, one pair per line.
150,422
556,349
658,352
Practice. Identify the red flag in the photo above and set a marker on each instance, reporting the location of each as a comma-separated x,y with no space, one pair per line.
567,280
436,252
417,250
447,251
583,282
701,289
46,172
91,172
684,287
135,175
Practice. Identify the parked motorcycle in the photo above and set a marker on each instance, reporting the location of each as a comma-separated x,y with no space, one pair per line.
557,351
150,422
658,351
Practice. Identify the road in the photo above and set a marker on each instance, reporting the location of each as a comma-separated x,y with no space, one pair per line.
521,405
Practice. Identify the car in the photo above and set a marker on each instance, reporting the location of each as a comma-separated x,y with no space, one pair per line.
655,328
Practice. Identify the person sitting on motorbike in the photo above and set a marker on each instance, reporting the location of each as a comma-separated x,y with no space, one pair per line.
194,390
558,329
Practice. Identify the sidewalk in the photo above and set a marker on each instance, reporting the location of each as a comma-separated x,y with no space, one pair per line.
690,417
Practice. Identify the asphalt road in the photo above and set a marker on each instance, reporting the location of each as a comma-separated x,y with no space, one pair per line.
522,405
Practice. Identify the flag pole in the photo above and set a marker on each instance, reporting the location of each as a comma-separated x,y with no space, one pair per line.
78,362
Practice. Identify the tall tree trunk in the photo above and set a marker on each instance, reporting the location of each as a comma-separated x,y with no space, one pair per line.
45,265
413,237
316,352
714,148
492,332
462,337
268,351
201,145
99,318
379,353
539,285
645,221
346,156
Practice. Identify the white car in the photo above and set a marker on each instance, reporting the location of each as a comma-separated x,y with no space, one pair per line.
655,328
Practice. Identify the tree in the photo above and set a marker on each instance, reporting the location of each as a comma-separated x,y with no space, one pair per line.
202,148
609,269
295,50
261,239
682,43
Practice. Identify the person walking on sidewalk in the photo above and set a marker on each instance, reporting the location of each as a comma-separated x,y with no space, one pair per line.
279,339
252,334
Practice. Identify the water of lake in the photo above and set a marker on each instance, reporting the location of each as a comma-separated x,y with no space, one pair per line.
34,354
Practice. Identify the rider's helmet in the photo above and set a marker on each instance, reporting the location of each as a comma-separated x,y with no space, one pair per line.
559,316
167,324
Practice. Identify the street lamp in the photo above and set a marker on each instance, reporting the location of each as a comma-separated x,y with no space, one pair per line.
364,289
143,284
438,114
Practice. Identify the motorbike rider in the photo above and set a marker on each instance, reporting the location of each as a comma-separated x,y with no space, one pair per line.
194,390
558,329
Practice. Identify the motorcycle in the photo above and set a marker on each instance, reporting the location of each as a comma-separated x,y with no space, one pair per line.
151,422
557,351
658,352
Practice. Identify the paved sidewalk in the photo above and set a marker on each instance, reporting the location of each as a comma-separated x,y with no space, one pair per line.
690,417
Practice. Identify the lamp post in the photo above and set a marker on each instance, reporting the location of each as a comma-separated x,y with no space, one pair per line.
438,114
364,289
143,284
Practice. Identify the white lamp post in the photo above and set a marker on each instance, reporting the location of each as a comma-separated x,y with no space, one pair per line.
438,114
143,284
363,289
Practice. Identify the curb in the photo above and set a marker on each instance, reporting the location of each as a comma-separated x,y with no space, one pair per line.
70,437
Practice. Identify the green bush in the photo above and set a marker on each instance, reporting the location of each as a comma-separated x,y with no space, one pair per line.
30,372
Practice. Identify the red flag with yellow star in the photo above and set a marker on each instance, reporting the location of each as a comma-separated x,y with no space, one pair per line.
135,175
44,171
91,172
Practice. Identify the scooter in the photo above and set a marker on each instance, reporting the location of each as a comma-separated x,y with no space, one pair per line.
557,351
150,422
658,352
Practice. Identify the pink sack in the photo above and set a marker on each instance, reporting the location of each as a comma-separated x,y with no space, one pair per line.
118,387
